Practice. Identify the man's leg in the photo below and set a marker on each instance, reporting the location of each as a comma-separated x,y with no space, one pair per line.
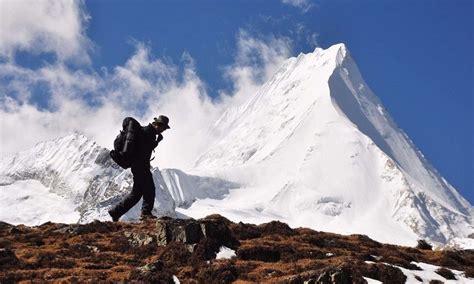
148,193
131,199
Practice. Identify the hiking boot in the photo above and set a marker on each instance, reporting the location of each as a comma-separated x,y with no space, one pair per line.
145,217
115,218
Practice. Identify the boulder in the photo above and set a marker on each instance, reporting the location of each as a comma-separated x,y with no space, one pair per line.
185,231
192,231
205,235
423,245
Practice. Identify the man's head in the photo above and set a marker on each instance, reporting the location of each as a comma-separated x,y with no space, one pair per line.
160,124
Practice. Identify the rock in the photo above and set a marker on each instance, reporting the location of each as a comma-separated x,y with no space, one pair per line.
446,273
324,278
188,233
73,229
209,229
139,239
276,227
7,257
5,226
191,248
93,249
185,231
78,229
15,230
202,238
340,275
163,233
191,232
423,245
151,267
384,273
219,231
246,231
217,218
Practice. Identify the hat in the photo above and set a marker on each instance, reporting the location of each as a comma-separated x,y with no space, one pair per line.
162,120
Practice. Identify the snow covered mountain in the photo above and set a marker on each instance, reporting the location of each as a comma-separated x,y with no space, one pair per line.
314,147
72,179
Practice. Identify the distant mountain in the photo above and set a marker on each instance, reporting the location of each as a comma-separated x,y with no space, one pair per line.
72,179
313,147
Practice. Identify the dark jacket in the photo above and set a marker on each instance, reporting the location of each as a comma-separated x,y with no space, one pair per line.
144,144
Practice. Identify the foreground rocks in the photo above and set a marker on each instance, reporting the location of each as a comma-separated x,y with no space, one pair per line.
168,249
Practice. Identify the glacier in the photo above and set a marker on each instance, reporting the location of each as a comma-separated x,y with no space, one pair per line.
314,147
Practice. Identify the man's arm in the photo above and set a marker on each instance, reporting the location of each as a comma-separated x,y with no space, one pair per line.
158,139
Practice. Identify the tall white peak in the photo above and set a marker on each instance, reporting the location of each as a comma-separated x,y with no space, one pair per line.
318,149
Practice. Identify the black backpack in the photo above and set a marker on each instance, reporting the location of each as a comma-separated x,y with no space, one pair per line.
124,143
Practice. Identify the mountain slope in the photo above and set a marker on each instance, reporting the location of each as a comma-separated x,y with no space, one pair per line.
316,148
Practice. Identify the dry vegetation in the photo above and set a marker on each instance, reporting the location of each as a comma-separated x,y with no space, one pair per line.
272,252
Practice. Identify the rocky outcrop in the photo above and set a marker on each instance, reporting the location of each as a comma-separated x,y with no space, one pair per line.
166,249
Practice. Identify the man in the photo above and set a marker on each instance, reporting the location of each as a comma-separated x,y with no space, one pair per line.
144,140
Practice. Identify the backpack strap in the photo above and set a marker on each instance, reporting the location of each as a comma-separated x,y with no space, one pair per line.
130,126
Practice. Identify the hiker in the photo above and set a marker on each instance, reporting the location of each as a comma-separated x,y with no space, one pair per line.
139,144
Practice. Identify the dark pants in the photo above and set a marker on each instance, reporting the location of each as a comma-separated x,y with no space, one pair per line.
142,186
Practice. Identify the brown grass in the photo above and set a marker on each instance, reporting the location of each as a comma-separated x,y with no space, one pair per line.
267,253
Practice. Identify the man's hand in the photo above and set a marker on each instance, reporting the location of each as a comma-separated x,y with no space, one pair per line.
159,138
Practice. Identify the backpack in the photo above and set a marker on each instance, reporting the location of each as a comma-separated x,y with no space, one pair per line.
124,143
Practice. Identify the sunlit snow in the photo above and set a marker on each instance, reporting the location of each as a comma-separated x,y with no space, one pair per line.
29,202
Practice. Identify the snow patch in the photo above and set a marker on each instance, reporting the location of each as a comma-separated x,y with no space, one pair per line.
225,253
29,202
371,281
428,273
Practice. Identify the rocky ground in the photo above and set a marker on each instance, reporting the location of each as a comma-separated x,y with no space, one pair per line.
172,251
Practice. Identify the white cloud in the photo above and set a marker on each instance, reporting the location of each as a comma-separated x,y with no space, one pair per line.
305,34
44,26
94,103
312,39
256,61
304,5
142,88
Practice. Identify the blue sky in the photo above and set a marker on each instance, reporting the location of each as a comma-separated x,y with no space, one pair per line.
415,55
